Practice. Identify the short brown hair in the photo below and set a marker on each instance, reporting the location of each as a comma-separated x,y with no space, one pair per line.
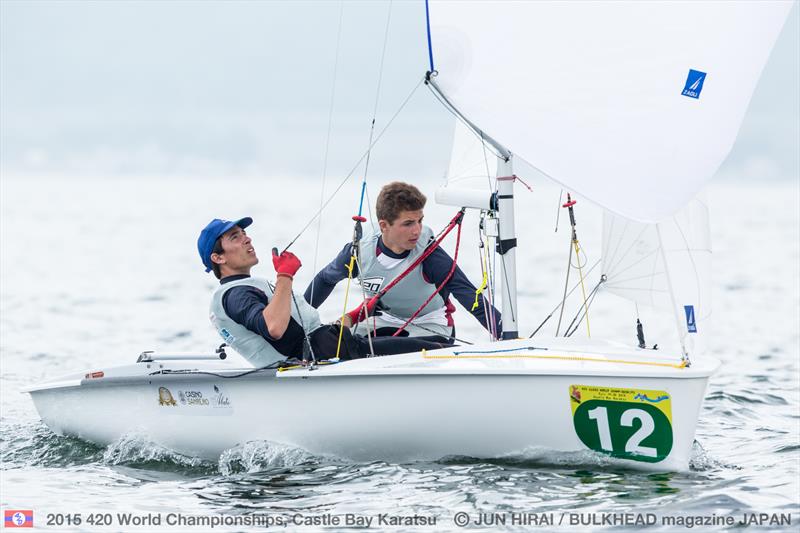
396,197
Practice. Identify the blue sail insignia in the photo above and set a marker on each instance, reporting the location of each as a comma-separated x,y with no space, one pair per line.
691,323
694,83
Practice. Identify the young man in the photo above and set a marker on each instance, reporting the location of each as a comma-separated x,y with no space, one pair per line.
385,254
268,323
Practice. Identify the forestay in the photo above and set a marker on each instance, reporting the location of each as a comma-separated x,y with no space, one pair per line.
632,105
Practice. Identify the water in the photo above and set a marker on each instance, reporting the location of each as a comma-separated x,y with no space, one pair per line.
95,271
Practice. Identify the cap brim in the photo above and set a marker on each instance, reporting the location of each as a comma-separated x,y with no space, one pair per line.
242,222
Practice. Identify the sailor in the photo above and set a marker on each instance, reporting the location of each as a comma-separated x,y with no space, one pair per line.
267,323
388,252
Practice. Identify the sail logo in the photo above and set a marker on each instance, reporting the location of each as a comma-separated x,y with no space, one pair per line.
691,323
694,83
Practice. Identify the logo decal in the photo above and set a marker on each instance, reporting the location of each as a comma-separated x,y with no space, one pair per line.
165,397
372,284
691,325
18,518
694,84
644,397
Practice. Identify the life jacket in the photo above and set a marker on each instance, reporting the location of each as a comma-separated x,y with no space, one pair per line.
408,295
252,346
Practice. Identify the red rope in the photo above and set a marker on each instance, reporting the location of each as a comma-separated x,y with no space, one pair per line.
439,288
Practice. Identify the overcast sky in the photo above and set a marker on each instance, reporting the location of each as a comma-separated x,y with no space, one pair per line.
244,88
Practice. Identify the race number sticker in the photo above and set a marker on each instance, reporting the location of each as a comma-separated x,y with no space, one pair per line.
628,423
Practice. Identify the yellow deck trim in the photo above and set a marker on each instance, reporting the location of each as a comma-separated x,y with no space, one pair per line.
555,357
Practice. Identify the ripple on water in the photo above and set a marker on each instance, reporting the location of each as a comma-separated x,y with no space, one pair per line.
257,456
35,444
746,396
137,451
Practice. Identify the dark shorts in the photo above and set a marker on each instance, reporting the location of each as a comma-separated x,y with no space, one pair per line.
325,340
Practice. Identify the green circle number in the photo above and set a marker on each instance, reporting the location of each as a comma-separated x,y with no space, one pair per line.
629,430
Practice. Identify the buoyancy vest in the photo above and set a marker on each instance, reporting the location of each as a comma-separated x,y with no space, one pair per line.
409,294
252,346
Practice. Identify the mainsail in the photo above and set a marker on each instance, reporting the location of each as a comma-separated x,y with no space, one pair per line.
634,105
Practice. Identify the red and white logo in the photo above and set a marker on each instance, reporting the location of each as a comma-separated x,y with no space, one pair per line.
19,518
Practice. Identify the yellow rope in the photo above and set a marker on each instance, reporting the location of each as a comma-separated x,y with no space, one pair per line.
558,357
583,289
344,309
484,283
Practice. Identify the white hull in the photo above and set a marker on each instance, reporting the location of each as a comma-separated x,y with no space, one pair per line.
398,408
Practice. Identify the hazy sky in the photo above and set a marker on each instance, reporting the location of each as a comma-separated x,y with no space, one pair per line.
244,88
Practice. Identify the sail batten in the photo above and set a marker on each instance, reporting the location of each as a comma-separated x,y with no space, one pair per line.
632,105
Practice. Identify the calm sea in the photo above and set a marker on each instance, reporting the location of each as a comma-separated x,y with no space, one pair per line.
93,272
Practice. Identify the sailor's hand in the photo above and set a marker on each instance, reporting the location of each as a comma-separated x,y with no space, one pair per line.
286,264
374,307
346,321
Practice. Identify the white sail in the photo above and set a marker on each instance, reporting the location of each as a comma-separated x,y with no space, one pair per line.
665,265
470,178
632,104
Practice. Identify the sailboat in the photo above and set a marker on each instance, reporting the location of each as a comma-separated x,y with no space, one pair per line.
631,106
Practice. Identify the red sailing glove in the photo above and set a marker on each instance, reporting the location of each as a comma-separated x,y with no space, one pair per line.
373,306
287,264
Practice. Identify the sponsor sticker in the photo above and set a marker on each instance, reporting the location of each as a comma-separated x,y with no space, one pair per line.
202,400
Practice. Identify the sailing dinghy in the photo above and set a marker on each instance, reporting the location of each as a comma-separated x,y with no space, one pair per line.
631,105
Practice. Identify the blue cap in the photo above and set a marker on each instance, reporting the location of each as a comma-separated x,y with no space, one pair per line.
212,232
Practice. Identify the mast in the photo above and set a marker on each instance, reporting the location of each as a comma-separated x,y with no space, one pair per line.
502,202
507,245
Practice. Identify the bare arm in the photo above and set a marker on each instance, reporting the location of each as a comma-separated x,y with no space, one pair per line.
278,312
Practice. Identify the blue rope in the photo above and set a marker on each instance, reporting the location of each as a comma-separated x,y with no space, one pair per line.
430,46
501,351
363,188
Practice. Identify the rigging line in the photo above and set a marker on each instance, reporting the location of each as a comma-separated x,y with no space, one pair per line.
561,303
578,249
566,284
488,307
364,300
306,335
428,26
486,164
383,57
327,140
585,309
558,209
352,170
374,113
505,288
691,256
369,204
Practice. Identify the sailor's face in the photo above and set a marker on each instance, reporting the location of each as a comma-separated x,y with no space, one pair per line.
239,253
402,234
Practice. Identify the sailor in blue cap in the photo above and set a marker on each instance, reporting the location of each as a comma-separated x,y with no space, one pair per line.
265,322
